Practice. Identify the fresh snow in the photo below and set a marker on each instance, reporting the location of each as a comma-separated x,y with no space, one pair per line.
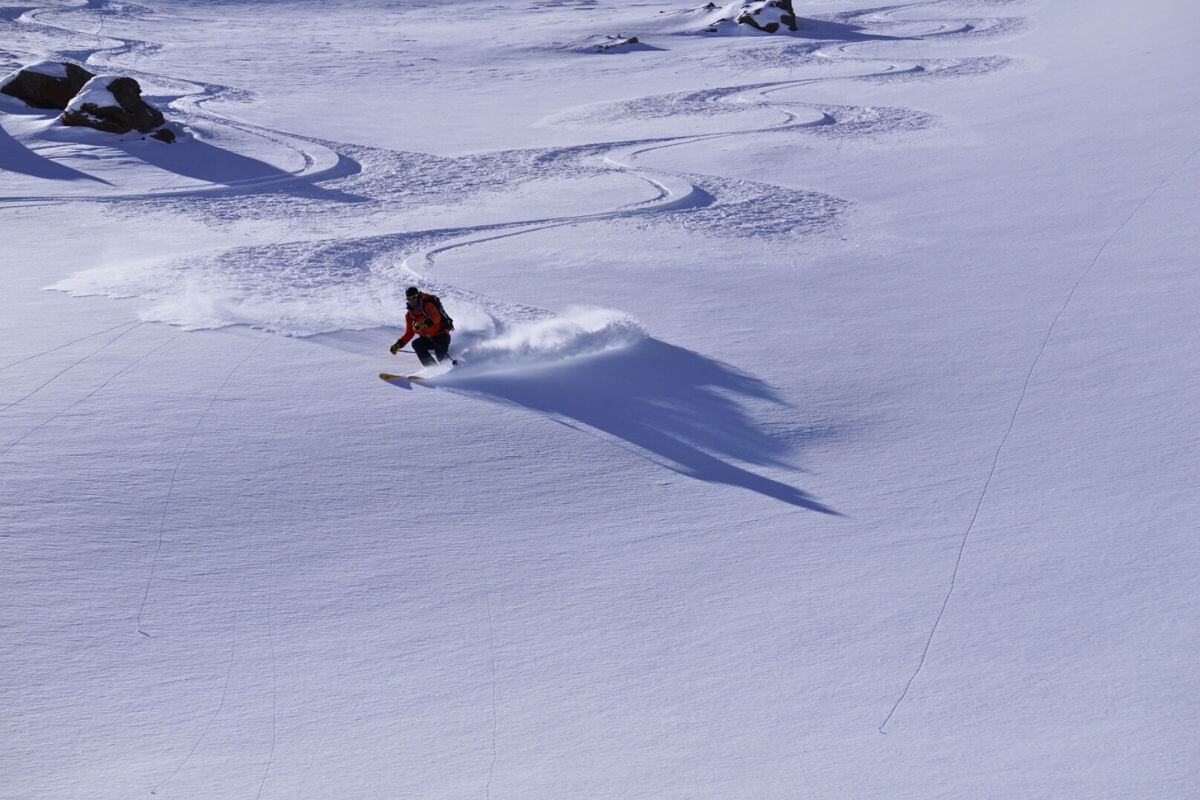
55,69
826,424
96,92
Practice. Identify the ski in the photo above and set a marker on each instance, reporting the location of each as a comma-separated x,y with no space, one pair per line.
424,375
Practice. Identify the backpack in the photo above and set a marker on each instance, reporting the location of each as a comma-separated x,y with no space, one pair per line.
447,321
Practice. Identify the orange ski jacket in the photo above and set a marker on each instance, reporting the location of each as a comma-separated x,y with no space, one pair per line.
424,320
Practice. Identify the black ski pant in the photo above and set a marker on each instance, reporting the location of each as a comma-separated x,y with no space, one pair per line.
440,345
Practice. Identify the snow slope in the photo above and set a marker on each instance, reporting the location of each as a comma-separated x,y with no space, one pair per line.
828,427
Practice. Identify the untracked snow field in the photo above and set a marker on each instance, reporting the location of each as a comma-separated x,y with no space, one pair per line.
827,425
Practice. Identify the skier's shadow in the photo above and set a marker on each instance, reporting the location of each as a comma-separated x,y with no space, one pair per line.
682,408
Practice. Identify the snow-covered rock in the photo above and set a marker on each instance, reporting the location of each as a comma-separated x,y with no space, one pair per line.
46,84
113,104
610,43
767,16
617,43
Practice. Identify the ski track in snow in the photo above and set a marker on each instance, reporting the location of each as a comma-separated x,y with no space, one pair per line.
339,180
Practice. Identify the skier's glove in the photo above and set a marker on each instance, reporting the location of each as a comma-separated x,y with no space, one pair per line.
395,348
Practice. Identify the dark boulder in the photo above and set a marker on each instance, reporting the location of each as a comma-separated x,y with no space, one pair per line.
114,105
768,16
129,94
47,84
777,12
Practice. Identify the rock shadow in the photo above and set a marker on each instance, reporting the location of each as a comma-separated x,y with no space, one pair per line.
17,157
198,160
810,28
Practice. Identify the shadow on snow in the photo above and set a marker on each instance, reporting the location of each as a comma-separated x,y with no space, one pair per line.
841,32
188,158
199,160
16,157
683,408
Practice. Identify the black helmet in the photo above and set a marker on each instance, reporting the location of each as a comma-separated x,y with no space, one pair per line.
412,292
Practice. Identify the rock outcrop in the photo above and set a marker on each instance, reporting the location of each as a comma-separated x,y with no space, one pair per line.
47,84
108,103
619,43
767,16
112,104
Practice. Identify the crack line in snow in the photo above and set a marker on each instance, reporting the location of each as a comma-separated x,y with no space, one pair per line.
68,344
118,374
274,698
487,594
58,375
1012,423
162,525
220,704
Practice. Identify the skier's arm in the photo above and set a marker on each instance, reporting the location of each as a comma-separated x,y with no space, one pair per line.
408,333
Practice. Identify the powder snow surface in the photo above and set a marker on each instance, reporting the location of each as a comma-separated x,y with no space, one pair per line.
826,425
54,69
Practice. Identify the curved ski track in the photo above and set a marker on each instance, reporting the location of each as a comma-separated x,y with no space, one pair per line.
679,198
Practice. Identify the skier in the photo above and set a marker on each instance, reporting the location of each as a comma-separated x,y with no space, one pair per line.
429,323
